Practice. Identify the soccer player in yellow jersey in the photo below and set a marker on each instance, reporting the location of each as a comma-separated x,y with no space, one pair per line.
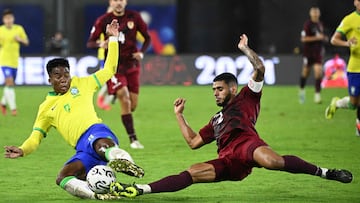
349,28
70,109
11,36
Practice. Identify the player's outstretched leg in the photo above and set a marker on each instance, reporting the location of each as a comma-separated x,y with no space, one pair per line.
340,175
331,109
294,164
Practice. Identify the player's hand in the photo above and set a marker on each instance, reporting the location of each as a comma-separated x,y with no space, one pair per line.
138,55
17,38
13,152
179,105
112,29
352,41
322,37
243,43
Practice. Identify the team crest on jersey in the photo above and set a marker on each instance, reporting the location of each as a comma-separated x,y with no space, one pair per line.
130,24
74,91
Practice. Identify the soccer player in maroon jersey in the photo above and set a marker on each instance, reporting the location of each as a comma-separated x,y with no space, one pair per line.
239,146
126,82
313,38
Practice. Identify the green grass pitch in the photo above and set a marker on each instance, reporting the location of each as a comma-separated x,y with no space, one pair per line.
287,126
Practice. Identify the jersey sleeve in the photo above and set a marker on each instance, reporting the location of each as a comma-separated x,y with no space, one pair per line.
143,29
207,133
344,26
22,33
103,75
307,29
31,143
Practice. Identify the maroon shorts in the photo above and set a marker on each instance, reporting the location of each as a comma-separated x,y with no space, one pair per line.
312,59
130,79
236,160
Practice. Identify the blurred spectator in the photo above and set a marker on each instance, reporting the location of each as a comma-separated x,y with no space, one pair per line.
58,45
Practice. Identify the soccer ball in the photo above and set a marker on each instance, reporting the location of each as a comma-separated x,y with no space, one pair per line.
99,178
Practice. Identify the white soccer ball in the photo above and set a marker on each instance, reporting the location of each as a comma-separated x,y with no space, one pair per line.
99,178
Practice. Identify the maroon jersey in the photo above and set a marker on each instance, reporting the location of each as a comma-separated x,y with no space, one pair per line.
236,119
129,24
316,48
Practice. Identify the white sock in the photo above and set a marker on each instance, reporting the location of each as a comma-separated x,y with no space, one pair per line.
317,97
117,153
301,91
343,102
77,187
9,93
102,91
146,188
323,172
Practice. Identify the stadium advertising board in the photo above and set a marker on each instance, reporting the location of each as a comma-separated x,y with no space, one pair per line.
172,70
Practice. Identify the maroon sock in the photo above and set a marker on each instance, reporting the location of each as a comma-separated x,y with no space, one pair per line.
302,82
318,85
128,122
294,164
172,183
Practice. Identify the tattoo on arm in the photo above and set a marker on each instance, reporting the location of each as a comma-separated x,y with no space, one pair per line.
259,68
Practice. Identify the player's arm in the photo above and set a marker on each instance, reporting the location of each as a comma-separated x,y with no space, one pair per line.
33,141
338,40
193,139
110,66
30,145
259,68
147,39
23,41
257,80
22,38
306,38
319,37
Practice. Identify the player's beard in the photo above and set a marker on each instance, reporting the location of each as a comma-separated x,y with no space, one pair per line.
226,101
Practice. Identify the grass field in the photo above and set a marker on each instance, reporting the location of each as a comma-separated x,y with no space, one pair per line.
290,128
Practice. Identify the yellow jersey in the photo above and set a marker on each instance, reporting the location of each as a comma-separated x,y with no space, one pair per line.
9,47
350,27
73,112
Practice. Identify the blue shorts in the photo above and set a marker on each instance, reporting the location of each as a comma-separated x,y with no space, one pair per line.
354,84
84,147
9,72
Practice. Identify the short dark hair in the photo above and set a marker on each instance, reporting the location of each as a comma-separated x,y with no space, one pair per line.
227,77
56,62
7,12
